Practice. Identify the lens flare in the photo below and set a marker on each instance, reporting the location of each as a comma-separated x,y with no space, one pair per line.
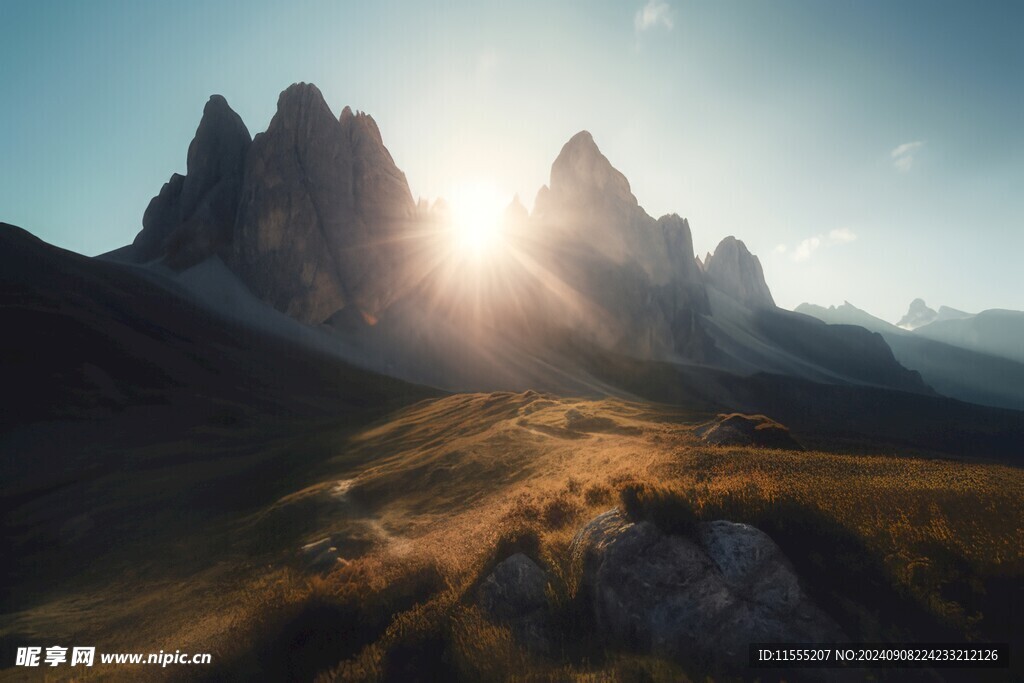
476,209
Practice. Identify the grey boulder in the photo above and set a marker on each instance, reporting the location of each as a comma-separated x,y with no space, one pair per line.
693,599
514,594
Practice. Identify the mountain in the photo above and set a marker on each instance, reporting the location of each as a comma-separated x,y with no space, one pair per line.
917,315
737,272
848,314
193,216
997,332
951,367
309,214
636,286
322,207
314,218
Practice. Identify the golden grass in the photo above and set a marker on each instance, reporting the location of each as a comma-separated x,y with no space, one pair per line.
444,483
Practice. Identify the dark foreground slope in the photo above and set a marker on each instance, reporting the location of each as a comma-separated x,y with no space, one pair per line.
131,409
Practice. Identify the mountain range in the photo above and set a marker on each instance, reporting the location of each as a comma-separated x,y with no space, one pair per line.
313,218
977,358
308,234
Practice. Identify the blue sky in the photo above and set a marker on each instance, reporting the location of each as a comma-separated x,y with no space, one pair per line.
870,151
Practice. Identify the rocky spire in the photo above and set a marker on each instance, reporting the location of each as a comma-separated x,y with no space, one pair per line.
321,208
193,216
582,173
732,269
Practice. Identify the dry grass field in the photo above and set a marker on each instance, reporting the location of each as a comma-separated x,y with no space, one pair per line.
422,504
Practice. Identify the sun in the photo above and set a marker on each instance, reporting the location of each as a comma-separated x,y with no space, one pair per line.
476,209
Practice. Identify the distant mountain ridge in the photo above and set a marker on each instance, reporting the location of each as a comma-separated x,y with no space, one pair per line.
919,315
977,358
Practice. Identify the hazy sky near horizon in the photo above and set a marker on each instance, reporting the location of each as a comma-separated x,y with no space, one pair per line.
871,151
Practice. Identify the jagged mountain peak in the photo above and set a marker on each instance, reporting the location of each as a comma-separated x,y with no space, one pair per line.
193,215
217,150
581,172
918,314
582,141
735,271
303,111
360,126
300,94
320,210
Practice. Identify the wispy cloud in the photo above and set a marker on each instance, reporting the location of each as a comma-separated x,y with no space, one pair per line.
903,155
807,247
842,235
654,14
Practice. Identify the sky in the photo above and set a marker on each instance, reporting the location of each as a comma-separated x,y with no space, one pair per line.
869,151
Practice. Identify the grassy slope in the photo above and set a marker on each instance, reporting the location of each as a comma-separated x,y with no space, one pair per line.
892,547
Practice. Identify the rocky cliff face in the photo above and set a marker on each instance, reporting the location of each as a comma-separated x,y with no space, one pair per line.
193,216
639,275
321,204
733,270
309,214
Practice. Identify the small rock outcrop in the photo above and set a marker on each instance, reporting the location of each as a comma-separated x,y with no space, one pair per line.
193,216
703,598
514,593
733,270
736,429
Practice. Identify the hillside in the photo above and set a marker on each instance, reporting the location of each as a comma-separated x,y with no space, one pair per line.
424,503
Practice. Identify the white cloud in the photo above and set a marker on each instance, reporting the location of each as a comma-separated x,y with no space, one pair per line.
806,248
655,13
903,155
842,235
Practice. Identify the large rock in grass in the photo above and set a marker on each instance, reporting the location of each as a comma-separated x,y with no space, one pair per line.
693,599
514,593
747,430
